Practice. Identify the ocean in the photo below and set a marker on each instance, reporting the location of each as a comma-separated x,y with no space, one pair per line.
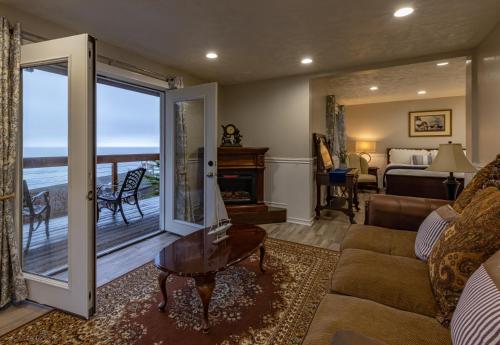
44,177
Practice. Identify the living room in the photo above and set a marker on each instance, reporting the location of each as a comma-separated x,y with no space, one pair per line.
337,134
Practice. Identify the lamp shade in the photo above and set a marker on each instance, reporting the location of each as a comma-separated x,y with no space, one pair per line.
366,146
451,158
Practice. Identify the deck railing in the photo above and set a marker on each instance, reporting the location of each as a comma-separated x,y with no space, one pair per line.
50,162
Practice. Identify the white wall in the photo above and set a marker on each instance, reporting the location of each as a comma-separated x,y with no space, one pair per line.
275,114
484,116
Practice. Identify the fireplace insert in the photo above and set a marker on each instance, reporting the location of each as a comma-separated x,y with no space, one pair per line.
238,187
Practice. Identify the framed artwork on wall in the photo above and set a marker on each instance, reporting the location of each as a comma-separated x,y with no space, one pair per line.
429,123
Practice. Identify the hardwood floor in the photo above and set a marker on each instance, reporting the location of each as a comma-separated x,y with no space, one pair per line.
326,232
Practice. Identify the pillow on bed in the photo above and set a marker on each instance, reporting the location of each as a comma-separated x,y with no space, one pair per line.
403,156
425,159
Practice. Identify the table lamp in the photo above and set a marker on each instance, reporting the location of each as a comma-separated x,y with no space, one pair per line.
451,158
364,147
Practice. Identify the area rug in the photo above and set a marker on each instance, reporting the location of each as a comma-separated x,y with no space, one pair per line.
247,307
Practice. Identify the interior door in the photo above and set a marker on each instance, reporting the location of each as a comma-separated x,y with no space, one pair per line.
190,166
56,180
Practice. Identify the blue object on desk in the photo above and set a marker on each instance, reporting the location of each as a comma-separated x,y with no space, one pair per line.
338,175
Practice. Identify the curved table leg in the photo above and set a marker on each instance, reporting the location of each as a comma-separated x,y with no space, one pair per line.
262,249
205,286
162,281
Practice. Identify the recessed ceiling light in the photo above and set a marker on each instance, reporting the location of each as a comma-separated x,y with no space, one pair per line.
374,88
444,63
422,92
212,55
306,61
403,12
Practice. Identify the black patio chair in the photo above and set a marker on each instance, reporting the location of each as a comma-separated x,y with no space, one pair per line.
36,207
113,200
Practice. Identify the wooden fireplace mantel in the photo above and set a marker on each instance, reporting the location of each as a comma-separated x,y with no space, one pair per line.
248,159
245,158
241,157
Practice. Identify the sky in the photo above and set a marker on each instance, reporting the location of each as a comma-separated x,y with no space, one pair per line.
124,118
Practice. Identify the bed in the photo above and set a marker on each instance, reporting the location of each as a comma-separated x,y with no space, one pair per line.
406,174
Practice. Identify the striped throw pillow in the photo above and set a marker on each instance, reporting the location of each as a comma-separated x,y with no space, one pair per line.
476,320
431,229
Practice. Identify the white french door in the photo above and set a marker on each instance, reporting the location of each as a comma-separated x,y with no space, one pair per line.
190,160
57,169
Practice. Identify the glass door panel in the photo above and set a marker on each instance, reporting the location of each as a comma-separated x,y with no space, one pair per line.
190,148
189,166
45,170
56,188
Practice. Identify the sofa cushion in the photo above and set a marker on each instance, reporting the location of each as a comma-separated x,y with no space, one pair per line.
476,320
396,281
353,338
381,240
481,179
462,248
374,320
431,229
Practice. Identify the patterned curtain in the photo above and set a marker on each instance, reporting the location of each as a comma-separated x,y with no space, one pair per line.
335,128
12,284
183,204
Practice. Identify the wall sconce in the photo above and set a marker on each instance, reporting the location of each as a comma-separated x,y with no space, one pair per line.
365,147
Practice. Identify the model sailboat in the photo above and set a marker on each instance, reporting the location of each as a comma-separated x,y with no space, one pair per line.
222,221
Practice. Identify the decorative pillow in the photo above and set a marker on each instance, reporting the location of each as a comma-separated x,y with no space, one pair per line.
479,181
462,248
431,228
421,159
476,321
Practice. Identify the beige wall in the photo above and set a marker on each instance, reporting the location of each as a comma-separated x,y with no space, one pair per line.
387,123
272,114
275,114
484,115
41,27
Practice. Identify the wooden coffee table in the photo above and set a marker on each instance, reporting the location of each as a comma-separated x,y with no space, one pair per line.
195,256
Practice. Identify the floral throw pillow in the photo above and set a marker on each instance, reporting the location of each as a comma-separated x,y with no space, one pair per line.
483,178
462,248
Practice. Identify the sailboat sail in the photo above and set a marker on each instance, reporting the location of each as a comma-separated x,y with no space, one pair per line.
223,223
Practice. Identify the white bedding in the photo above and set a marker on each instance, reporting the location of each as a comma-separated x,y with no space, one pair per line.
417,172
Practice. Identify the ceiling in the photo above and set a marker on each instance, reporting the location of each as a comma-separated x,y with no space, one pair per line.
263,39
399,83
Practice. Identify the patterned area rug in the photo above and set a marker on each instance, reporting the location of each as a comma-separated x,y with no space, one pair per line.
247,307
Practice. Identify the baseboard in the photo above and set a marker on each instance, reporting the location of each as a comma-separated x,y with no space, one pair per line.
276,204
301,221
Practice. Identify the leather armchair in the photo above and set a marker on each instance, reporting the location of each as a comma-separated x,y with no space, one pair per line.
399,212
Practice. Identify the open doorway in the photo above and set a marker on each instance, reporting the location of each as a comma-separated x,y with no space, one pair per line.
128,164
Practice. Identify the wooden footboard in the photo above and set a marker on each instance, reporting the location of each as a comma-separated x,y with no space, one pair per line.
420,186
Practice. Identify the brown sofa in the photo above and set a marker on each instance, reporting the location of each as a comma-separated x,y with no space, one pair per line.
380,291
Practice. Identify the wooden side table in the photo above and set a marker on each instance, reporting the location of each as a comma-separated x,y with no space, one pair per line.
351,189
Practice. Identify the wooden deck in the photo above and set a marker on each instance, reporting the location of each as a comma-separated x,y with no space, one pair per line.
50,256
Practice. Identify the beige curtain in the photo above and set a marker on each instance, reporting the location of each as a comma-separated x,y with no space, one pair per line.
183,204
12,284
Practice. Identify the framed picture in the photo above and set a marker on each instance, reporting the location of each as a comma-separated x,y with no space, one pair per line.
429,123
322,151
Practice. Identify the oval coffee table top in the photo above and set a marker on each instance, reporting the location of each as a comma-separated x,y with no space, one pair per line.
195,255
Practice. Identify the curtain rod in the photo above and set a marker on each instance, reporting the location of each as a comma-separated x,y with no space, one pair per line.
106,60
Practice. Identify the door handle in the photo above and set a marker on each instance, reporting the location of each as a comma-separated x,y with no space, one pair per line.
210,174
90,195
